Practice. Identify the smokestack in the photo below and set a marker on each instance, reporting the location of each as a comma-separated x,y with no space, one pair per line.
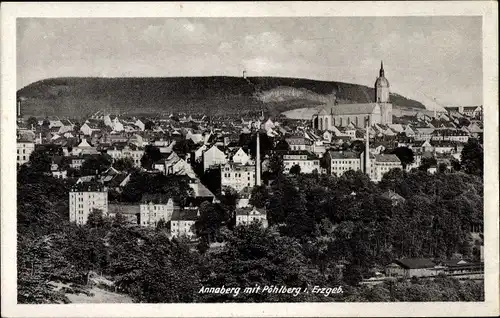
244,74
18,108
367,147
257,161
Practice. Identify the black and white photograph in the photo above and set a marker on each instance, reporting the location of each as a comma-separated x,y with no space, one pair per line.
252,158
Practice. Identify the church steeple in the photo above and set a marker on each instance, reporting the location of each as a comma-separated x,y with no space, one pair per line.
382,69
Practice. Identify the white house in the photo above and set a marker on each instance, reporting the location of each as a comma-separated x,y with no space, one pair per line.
152,211
240,157
213,157
83,200
246,216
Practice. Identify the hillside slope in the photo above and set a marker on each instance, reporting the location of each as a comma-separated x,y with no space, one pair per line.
78,97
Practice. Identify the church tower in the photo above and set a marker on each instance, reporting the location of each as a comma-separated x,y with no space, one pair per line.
382,96
381,87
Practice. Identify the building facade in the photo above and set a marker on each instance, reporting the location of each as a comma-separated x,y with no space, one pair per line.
182,224
237,176
24,150
339,162
152,212
246,216
213,157
83,200
307,161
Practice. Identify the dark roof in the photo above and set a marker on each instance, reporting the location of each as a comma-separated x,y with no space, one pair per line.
184,215
310,155
155,198
387,158
413,263
123,208
342,155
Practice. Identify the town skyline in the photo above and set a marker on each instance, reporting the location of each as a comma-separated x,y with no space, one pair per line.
425,58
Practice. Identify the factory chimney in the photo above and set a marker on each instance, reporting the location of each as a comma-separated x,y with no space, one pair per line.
18,108
257,160
367,147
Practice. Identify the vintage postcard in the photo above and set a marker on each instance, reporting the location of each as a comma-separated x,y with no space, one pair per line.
249,159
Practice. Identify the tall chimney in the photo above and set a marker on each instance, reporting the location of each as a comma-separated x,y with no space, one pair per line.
257,161
367,147
18,108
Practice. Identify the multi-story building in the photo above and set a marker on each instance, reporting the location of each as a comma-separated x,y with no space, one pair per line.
299,143
24,150
83,199
153,210
382,164
338,162
237,176
307,161
124,150
450,135
246,216
213,157
183,222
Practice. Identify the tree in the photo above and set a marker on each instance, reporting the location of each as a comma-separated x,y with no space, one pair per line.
149,125
282,145
151,155
124,164
426,163
357,146
76,127
295,169
212,217
161,224
255,256
95,218
276,165
96,164
442,167
259,196
40,161
404,154
119,220
455,165
463,122
32,122
472,157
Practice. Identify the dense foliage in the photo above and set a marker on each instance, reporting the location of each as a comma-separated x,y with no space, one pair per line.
324,231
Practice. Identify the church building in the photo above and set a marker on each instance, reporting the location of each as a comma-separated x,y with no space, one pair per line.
377,112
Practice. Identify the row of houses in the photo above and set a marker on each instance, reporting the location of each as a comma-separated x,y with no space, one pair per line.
151,211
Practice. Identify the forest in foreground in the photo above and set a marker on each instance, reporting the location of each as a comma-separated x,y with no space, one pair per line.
318,224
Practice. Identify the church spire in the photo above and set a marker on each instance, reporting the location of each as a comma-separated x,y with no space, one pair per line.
381,68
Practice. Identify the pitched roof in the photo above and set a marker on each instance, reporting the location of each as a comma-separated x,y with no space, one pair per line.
342,155
124,208
413,263
184,215
350,109
387,158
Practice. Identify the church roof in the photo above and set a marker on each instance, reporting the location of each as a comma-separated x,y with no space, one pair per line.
350,109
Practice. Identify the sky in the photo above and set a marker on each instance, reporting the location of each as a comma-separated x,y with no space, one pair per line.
435,60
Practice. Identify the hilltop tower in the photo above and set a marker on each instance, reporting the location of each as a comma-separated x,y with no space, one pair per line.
382,93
